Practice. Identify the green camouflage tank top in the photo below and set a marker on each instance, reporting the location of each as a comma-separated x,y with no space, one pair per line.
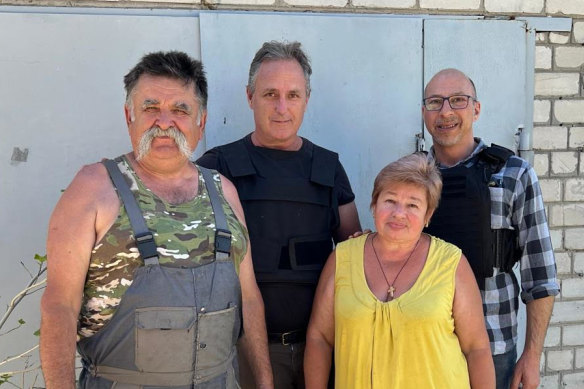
184,234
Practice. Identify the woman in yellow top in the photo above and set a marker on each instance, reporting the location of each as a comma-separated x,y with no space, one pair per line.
401,308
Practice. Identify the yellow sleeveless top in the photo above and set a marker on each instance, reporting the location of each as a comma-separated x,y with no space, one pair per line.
405,343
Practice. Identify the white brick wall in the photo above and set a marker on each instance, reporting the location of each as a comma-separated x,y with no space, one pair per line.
549,138
553,336
570,111
541,164
563,263
568,312
527,6
573,335
579,363
560,360
451,4
576,137
570,57
564,162
579,32
579,263
566,7
573,240
573,287
572,381
385,3
559,37
574,189
557,84
541,111
543,57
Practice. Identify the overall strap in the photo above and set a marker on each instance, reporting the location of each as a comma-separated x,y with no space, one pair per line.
144,237
222,233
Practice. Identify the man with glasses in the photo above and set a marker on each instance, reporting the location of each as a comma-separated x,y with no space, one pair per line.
492,208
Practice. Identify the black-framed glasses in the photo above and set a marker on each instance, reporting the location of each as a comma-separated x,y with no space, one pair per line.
435,103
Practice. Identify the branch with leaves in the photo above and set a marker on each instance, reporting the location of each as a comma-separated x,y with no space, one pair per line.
37,283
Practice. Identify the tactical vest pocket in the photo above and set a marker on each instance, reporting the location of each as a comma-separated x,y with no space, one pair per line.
165,339
215,342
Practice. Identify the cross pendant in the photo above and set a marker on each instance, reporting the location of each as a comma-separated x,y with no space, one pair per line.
390,291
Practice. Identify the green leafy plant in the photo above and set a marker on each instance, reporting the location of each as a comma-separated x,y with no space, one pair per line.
37,282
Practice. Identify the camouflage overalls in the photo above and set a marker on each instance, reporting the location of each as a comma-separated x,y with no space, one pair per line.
169,326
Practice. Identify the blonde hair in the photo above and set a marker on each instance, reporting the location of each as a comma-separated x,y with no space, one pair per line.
413,169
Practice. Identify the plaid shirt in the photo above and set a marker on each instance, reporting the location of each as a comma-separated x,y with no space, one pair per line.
517,204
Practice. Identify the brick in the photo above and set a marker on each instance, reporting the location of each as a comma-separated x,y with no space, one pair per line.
559,37
564,162
385,3
556,216
573,214
579,263
579,357
551,190
450,4
567,312
549,382
550,138
572,381
573,239
557,84
578,32
566,7
557,237
552,337
541,111
573,335
570,57
573,287
541,164
242,2
574,189
541,37
560,359
569,111
576,137
543,57
563,263
317,3
527,6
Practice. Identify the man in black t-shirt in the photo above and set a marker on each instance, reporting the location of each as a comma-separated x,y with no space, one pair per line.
296,197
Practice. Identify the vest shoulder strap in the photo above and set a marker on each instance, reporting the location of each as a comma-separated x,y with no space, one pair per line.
222,233
324,166
143,236
496,156
237,159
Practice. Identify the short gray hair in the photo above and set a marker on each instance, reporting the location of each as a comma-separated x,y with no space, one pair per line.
279,51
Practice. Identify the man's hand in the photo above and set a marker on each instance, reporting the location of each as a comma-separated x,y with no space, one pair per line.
359,233
526,372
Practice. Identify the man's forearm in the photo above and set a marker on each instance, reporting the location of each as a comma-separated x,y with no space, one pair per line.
255,343
57,348
539,312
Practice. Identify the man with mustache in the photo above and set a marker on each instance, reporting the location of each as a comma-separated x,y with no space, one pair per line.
296,197
149,263
492,208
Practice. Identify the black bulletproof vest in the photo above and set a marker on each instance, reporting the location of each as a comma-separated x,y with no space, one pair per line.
290,221
463,216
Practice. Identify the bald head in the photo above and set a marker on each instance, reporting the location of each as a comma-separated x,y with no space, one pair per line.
455,75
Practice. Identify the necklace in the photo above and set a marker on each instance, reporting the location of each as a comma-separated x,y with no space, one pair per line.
390,287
